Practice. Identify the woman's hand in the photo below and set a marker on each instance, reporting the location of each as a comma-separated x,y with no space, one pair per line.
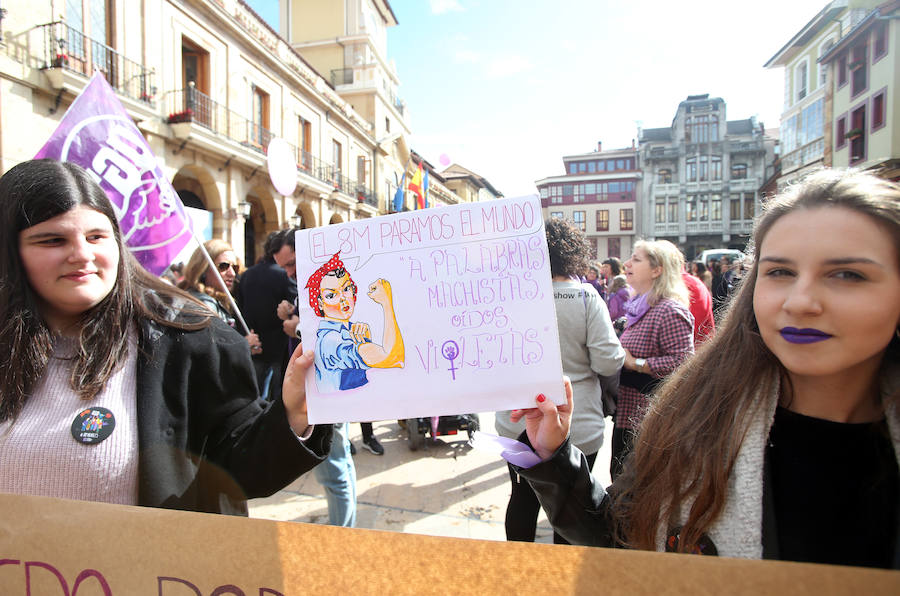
285,310
254,343
360,333
547,425
629,363
293,389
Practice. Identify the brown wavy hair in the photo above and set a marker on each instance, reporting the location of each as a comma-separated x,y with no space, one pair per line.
690,437
33,192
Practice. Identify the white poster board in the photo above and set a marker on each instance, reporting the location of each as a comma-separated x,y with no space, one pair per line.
429,313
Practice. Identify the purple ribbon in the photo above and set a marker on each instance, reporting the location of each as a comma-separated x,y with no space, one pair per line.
515,452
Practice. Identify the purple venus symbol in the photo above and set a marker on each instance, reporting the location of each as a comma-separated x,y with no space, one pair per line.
450,350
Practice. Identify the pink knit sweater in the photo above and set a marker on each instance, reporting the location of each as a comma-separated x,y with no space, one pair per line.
38,454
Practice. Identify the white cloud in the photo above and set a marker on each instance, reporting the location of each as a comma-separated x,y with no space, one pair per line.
444,6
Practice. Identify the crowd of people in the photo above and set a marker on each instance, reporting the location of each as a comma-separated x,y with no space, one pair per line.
754,403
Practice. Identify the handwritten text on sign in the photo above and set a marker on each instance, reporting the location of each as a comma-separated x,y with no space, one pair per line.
459,297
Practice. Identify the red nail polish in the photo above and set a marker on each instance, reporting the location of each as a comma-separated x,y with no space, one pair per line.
541,397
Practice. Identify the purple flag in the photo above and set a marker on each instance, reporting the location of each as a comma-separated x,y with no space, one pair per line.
97,134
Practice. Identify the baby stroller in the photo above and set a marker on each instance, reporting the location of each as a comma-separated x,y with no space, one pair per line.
417,428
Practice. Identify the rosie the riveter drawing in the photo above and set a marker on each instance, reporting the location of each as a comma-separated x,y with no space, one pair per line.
345,350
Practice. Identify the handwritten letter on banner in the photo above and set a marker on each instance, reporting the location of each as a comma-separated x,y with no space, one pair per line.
428,313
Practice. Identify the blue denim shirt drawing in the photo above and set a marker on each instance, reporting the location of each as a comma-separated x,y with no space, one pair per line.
338,363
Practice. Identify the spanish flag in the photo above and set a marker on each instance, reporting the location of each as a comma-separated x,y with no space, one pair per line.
416,187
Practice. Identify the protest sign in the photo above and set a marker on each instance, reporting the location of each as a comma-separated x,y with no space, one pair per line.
98,134
55,547
429,313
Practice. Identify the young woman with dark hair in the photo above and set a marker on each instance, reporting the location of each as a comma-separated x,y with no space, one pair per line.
117,387
780,438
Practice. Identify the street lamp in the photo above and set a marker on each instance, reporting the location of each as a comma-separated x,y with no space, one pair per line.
244,209
296,220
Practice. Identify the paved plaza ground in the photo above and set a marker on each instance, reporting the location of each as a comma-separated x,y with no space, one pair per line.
446,489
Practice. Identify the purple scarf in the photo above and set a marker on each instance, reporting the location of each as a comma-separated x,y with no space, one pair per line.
635,308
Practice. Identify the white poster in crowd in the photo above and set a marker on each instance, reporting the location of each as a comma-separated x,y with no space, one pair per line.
429,313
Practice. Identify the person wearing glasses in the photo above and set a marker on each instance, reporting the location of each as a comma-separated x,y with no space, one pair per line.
201,283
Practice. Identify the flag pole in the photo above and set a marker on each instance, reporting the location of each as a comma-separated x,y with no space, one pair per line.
403,180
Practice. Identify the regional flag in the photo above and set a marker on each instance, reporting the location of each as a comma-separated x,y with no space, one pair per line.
416,187
98,134
398,196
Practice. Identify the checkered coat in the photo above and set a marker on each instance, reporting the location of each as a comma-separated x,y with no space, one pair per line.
665,337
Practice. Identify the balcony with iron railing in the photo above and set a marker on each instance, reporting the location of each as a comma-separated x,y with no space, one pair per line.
395,101
194,107
191,105
71,51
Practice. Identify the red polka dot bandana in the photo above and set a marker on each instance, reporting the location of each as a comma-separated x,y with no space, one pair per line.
315,280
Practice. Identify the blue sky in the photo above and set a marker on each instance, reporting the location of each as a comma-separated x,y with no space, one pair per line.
507,87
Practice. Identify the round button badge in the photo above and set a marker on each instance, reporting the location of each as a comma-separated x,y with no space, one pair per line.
93,425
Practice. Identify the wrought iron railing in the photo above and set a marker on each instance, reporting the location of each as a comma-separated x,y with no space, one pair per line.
195,106
66,47
191,105
398,103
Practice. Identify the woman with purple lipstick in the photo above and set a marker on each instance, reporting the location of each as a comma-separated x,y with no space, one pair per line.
779,438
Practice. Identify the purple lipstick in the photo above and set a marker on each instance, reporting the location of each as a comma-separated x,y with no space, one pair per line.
803,336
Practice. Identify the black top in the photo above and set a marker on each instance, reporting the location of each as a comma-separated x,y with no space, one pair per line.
835,489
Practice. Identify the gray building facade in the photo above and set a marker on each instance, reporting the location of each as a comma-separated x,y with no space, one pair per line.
701,177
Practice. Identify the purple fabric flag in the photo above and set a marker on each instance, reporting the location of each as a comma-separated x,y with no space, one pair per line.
97,134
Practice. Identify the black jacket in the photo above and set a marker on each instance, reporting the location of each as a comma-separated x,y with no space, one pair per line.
207,443
261,288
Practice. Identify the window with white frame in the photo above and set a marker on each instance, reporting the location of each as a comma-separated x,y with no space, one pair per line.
801,78
823,69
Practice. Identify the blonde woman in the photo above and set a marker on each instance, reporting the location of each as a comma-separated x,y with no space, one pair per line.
201,283
658,335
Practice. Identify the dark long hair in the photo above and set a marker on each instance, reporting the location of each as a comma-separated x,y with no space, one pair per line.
33,192
691,435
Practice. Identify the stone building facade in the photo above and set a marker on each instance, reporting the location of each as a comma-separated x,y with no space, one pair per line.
701,177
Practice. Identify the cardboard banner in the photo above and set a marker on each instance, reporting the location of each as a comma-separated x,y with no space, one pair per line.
98,134
428,313
55,547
